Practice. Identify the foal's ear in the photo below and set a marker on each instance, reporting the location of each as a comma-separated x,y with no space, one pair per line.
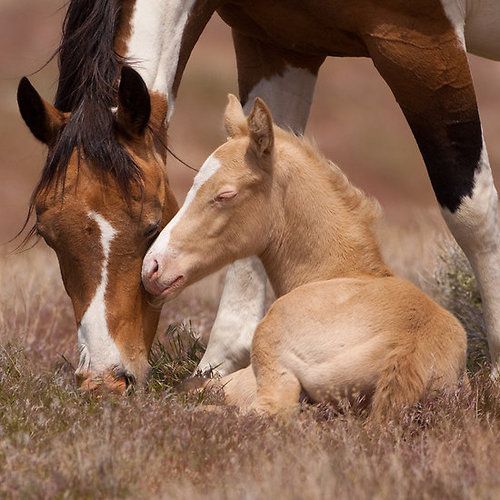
260,126
43,119
235,121
134,103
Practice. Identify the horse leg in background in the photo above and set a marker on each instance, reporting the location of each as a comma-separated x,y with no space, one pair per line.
428,72
286,81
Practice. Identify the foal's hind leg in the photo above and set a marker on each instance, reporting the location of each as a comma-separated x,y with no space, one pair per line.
426,66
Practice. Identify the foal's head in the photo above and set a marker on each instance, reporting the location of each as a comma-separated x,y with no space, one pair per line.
100,217
225,216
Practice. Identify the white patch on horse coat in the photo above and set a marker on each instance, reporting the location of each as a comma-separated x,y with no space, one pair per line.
455,11
161,244
173,29
477,23
242,306
475,227
157,27
145,44
289,97
98,351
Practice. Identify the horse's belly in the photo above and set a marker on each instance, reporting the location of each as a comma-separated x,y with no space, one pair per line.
482,29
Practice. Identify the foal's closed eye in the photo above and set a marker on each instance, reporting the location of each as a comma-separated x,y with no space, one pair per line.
226,195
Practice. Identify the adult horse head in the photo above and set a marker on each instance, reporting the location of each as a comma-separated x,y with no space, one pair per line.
102,198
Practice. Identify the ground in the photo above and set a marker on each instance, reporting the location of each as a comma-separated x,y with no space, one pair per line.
56,442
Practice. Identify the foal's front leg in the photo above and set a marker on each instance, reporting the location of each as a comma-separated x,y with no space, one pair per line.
427,69
286,82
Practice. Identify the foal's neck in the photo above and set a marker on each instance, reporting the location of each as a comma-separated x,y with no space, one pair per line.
322,226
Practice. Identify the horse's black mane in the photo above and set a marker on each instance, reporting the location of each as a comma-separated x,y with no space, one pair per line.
89,70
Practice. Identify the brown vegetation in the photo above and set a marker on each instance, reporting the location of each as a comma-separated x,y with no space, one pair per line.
55,441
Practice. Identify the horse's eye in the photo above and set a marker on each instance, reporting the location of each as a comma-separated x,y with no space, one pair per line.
226,195
152,230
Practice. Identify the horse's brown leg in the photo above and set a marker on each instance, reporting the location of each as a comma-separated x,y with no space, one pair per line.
426,66
286,81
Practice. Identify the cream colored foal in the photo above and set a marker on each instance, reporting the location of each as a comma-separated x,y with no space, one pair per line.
343,324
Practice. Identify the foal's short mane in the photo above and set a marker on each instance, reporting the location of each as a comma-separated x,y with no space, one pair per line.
355,199
89,69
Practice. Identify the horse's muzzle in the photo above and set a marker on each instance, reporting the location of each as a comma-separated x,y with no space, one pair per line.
115,380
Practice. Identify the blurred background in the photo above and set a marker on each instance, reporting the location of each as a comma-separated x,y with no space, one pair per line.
354,118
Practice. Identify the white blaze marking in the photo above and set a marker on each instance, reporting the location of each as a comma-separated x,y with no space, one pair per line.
97,349
289,96
160,246
154,46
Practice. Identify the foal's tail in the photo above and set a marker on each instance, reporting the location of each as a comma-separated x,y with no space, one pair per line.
402,382
428,360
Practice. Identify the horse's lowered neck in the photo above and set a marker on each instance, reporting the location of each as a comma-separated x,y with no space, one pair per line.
315,235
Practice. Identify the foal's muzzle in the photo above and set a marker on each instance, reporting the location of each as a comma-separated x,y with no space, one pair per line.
157,282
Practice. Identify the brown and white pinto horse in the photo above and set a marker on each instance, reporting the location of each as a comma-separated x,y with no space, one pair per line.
342,323
419,48
103,195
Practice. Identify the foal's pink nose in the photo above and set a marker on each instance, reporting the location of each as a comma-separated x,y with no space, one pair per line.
150,269
153,268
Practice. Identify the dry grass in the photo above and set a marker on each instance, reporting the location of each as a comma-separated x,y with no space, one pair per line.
55,442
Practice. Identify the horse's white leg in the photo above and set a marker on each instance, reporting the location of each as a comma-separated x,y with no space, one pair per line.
432,83
475,227
288,89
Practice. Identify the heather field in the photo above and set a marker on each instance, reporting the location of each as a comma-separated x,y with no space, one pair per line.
156,443
56,442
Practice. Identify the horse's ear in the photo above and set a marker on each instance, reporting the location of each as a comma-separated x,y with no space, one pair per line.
43,119
134,103
260,126
235,122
